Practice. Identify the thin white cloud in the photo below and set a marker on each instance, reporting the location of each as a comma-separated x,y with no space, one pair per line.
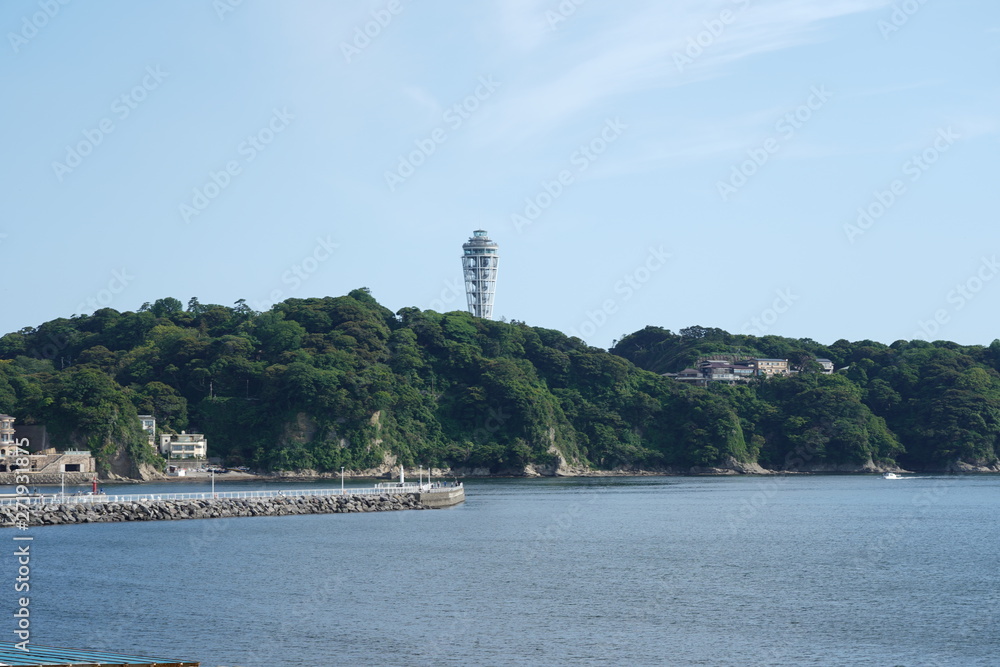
522,23
972,126
423,100
897,88
638,53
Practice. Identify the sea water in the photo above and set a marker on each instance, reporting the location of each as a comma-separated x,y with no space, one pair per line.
796,570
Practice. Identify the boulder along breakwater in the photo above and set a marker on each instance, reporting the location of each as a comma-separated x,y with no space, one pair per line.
165,509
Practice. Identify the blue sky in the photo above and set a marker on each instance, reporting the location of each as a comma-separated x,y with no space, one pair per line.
806,168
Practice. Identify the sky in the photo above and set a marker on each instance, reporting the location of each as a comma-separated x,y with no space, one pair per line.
818,169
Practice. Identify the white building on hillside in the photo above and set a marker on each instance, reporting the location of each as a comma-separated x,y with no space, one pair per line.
183,445
149,426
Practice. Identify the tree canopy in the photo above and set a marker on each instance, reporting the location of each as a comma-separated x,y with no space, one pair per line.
321,383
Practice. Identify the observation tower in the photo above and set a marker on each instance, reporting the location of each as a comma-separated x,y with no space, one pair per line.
480,260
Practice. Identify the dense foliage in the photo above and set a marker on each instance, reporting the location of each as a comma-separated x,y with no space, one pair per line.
924,405
328,382
324,383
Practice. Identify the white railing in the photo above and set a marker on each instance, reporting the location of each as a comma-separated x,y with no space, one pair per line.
57,499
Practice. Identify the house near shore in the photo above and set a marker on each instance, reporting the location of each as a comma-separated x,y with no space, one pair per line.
6,432
183,445
827,366
148,423
52,461
48,460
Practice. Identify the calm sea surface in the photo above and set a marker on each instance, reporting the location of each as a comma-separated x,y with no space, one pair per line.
827,570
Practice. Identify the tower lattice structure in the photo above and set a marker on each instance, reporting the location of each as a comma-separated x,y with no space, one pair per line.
480,261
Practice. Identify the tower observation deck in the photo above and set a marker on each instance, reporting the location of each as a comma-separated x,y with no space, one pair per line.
480,260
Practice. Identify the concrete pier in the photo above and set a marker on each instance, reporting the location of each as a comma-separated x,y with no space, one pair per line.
445,497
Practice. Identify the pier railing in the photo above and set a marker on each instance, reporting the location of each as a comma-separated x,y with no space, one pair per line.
87,499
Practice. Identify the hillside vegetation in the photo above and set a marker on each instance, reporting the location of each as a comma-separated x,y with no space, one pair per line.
929,406
316,384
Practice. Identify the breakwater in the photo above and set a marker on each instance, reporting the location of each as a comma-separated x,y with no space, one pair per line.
164,509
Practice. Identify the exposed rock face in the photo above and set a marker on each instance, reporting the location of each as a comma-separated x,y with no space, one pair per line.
148,472
122,467
867,467
564,468
731,467
746,468
167,510
962,466
468,472
299,431
388,468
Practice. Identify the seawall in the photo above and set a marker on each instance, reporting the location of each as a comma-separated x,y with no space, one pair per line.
442,497
210,508
49,478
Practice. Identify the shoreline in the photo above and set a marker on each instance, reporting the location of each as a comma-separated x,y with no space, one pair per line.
571,473
300,479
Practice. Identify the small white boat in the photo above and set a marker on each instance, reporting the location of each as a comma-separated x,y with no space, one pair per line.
890,475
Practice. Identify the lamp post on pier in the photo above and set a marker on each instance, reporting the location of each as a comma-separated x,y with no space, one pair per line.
341,480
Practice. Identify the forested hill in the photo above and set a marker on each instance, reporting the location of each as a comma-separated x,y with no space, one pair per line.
328,382
935,405
316,384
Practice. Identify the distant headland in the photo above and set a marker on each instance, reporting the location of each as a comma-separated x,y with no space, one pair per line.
315,386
